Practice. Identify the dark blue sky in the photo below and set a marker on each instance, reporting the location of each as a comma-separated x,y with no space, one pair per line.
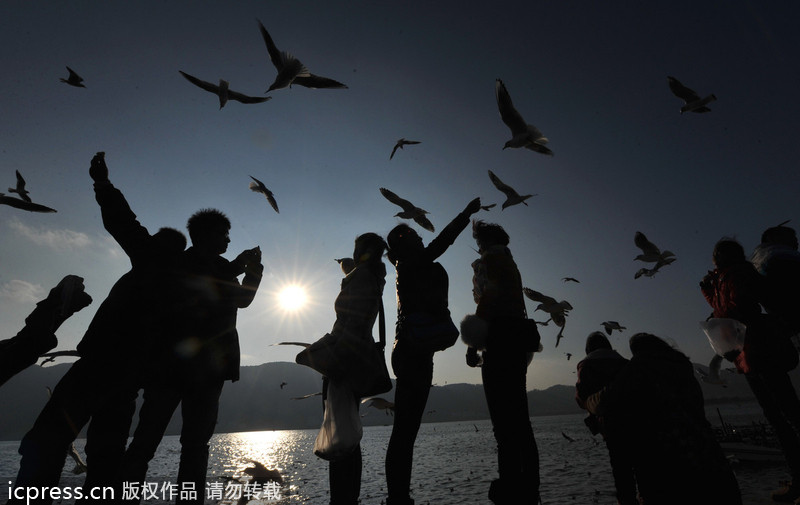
592,76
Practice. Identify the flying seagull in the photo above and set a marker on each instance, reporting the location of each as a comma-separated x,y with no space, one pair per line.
301,344
304,397
400,143
522,134
259,187
291,71
22,204
557,310
380,404
20,188
650,272
693,102
74,79
570,279
488,207
223,92
512,197
650,252
610,326
410,211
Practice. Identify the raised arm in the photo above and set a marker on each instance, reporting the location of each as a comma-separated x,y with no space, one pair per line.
450,233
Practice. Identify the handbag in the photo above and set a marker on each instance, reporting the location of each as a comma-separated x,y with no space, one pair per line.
359,363
425,333
341,429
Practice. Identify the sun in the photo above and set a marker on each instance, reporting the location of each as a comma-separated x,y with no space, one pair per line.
292,298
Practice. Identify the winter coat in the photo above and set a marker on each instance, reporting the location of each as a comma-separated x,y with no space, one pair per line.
359,301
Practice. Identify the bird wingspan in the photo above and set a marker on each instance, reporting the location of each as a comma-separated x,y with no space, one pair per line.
200,83
239,97
317,82
424,222
274,54
505,188
645,245
508,113
681,91
392,197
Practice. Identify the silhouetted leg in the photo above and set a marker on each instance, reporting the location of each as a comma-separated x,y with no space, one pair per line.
345,478
778,400
517,454
414,375
154,416
106,439
199,406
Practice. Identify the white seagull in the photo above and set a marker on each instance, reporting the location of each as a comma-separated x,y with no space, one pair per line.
410,211
223,91
522,133
20,188
512,197
693,102
259,187
400,143
290,70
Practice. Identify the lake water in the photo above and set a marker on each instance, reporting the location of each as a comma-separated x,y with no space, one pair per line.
453,462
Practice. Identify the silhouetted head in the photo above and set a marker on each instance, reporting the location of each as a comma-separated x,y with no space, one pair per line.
644,342
597,340
488,234
727,252
208,229
170,241
780,234
403,243
369,248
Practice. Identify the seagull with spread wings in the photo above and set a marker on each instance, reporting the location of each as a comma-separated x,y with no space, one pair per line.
522,133
259,187
20,188
400,143
410,211
693,102
18,203
380,404
74,79
223,92
290,70
610,326
650,252
512,197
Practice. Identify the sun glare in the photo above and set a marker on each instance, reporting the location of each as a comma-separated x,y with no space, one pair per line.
292,298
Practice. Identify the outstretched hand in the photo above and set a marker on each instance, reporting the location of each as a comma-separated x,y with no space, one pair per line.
98,170
473,206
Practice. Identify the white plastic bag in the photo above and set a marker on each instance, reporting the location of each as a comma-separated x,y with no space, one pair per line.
341,427
724,334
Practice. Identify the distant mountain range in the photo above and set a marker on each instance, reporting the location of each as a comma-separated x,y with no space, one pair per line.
258,401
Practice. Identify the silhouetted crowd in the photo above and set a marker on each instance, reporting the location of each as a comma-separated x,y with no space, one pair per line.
167,329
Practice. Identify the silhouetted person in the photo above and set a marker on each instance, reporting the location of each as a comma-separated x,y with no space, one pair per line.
204,352
734,290
38,336
497,289
116,344
778,260
356,307
596,371
655,408
422,289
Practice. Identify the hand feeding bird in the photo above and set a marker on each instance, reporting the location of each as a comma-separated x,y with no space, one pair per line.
400,143
20,188
223,92
74,79
410,211
290,70
512,197
693,102
522,134
259,187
